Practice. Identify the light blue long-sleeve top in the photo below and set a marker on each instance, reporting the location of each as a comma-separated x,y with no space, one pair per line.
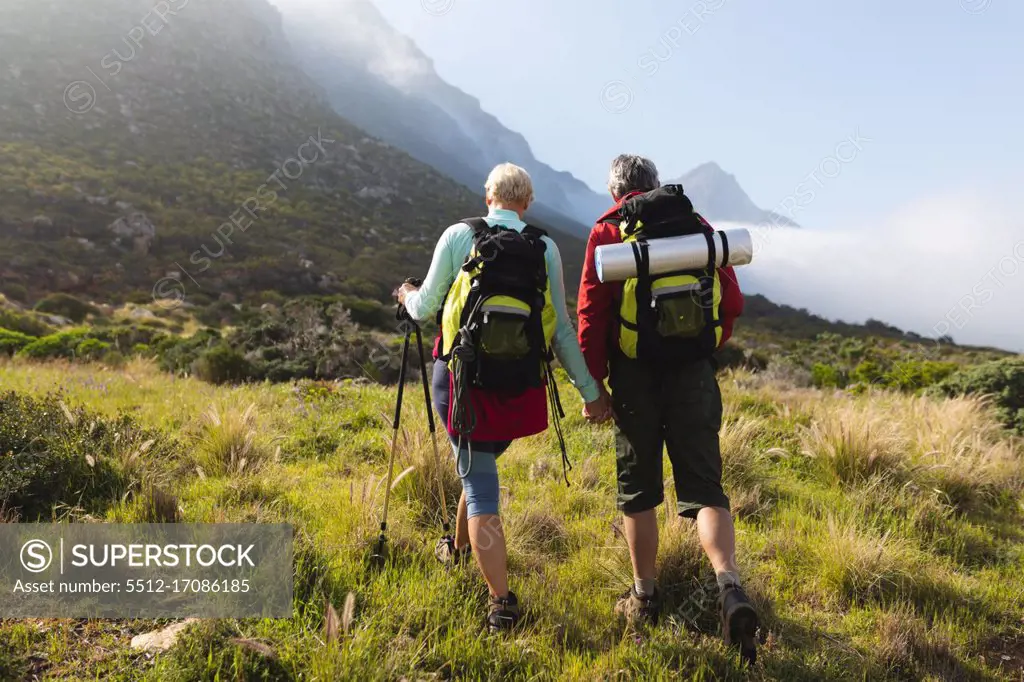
449,255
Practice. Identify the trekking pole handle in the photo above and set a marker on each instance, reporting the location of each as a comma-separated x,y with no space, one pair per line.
401,314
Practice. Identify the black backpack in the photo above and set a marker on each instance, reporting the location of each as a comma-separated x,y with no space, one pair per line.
670,318
499,307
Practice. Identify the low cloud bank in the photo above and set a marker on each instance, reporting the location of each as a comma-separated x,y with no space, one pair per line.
949,266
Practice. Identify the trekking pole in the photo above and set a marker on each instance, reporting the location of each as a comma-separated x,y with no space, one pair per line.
379,555
447,539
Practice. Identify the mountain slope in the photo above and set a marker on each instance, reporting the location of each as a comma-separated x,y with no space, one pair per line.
718,196
175,153
383,82
379,79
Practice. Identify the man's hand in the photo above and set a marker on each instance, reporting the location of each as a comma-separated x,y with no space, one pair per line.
404,291
600,410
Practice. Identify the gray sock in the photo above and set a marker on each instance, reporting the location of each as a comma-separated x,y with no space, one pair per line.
644,587
727,578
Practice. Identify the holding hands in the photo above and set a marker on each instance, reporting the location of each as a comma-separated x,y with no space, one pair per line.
600,410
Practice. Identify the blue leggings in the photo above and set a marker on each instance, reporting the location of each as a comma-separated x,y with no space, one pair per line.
481,483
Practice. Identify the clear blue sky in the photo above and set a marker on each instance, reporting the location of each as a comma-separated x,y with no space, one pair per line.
766,89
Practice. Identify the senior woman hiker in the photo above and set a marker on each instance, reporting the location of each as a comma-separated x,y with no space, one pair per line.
499,285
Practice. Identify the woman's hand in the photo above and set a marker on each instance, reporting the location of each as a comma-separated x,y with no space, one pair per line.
404,291
600,410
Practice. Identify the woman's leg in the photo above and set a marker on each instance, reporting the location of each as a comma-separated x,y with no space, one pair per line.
488,538
480,488
461,524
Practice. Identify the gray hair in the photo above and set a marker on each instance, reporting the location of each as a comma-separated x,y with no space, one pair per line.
509,184
632,173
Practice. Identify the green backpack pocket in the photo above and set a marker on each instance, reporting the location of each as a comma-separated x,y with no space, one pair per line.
677,303
503,333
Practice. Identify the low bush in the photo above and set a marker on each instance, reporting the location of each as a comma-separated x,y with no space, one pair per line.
16,292
827,376
222,365
67,306
24,323
53,455
60,345
89,343
92,349
313,339
1003,380
177,354
11,341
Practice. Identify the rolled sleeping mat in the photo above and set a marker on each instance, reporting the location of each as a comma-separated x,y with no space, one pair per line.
616,262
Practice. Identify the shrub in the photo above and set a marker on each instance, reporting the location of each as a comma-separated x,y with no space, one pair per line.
92,349
729,355
178,354
11,342
312,338
66,306
868,372
827,376
16,292
370,313
25,323
787,371
51,454
915,375
1001,379
59,345
222,365
218,314
124,337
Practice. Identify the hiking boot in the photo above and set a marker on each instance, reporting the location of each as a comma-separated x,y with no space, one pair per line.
638,609
504,613
450,555
739,621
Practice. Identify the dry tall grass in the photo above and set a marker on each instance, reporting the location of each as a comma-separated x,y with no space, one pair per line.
954,446
856,566
229,441
425,474
853,442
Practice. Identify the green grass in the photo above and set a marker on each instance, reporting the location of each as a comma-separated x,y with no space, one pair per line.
880,534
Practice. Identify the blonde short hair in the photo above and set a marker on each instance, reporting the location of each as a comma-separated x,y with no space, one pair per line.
509,184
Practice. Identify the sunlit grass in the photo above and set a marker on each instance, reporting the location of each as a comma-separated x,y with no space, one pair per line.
881,534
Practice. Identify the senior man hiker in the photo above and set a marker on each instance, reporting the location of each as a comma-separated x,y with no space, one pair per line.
653,337
499,285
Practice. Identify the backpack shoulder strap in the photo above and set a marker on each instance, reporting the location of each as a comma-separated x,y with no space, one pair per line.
534,232
483,233
478,225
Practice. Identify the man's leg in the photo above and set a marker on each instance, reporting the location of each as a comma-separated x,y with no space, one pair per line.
695,417
641,531
718,538
638,446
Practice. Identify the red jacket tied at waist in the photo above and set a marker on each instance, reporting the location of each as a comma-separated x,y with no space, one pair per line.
598,302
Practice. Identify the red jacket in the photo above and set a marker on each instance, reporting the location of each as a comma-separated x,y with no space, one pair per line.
598,305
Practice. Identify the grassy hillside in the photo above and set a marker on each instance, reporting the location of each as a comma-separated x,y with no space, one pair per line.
200,152
880,533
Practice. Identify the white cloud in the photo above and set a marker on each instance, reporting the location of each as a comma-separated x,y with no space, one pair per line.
952,265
